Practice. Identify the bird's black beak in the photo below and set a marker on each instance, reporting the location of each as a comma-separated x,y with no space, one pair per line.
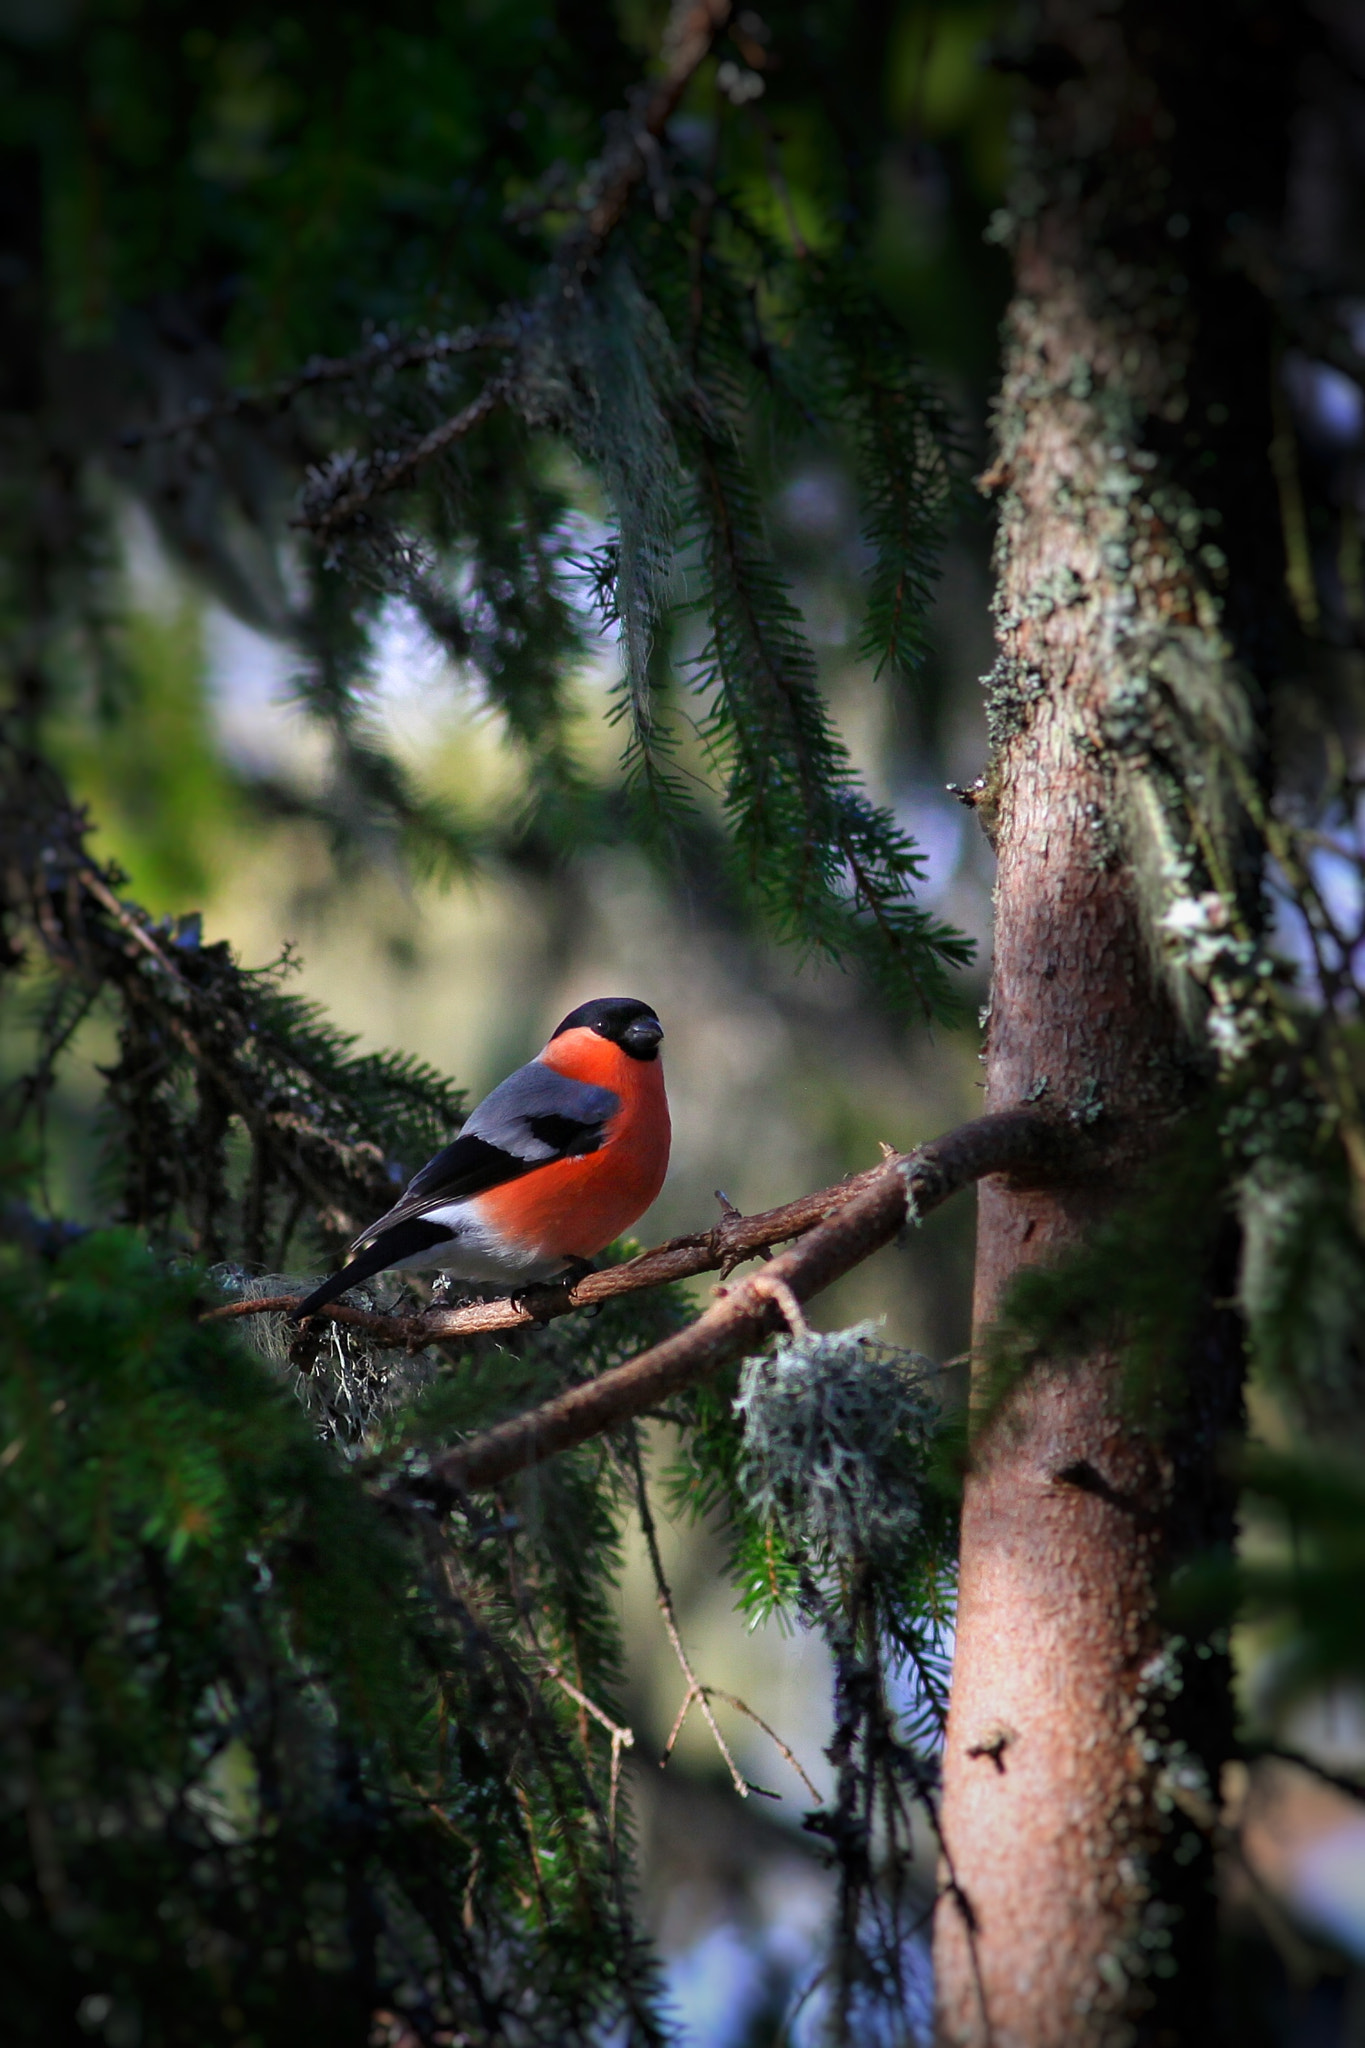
642,1037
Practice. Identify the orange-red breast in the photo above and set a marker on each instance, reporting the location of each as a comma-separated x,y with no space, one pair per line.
562,1157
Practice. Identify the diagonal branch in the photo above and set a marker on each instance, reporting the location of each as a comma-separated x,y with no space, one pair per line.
907,1187
734,1239
378,354
1034,1141
693,26
370,481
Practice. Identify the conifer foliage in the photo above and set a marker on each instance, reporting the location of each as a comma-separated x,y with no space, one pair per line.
290,1745
514,317
272,1761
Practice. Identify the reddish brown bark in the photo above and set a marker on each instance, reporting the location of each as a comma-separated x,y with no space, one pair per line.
1050,1808
1086,1912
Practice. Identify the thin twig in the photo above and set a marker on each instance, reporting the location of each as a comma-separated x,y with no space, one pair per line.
769,1286
625,1736
373,480
379,354
695,1689
621,1737
742,1707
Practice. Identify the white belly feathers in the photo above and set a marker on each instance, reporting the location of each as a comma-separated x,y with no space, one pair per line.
472,1252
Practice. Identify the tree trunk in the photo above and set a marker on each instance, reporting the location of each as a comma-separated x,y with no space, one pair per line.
1139,583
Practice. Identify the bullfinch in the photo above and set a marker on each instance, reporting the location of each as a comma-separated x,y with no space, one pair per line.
562,1157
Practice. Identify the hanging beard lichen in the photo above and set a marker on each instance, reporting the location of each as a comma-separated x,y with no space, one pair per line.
836,1429
845,1522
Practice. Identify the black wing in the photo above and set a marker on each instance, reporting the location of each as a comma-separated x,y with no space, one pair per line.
531,1118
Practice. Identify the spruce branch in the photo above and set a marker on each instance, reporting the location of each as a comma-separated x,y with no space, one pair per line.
1013,1142
203,1041
633,142
833,872
1018,1142
378,354
333,502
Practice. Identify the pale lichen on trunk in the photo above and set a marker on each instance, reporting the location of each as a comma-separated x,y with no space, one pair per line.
1137,570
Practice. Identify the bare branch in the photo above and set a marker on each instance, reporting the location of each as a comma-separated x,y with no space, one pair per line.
621,1737
1019,1142
718,1692
734,1239
778,1291
1038,1142
696,1691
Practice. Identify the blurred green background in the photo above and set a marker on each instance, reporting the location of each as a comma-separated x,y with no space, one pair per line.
208,782
231,188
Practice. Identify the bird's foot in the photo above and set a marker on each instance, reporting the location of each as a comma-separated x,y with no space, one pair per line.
542,1300
548,1298
305,1346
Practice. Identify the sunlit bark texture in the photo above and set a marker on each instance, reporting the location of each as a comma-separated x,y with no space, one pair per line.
1139,578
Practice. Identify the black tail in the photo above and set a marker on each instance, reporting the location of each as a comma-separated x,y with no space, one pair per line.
372,1260
412,1235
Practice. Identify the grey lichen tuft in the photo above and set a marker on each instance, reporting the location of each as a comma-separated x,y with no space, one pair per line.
1010,687
1231,968
836,1434
347,1383
1179,727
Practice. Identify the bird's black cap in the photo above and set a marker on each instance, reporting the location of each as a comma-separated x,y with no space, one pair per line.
626,1022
